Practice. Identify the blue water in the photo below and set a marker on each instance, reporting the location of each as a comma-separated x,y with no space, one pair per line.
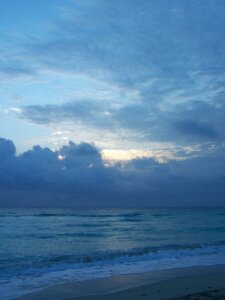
41,247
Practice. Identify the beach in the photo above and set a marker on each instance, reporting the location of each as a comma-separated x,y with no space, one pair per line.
186,283
70,253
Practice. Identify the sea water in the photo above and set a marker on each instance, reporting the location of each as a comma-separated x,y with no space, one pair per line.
42,247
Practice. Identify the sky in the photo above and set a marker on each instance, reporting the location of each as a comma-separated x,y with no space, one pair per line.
112,103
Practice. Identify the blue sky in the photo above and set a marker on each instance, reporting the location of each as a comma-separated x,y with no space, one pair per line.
137,79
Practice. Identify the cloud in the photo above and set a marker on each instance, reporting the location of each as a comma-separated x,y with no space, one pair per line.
83,111
128,41
162,64
13,64
75,176
7,150
193,121
199,129
14,71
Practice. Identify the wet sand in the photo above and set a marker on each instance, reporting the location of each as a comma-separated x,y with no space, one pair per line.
189,283
213,294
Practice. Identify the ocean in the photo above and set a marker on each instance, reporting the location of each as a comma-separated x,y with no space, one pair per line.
42,247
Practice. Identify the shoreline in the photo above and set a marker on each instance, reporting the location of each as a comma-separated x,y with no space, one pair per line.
155,285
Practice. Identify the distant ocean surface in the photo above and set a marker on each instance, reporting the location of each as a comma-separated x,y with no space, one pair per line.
41,247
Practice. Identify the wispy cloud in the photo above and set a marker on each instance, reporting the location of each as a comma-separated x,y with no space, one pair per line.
123,74
168,55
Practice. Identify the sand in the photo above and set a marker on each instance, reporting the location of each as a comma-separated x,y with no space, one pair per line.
214,294
189,283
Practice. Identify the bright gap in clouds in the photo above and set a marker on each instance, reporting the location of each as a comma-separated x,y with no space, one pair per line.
113,156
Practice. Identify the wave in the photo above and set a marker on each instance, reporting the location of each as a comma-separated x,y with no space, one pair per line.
42,271
64,235
206,229
75,214
161,215
107,256
87,225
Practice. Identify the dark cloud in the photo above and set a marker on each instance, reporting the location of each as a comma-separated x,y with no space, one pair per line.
194,121
199,129
75,176
7,149
85,111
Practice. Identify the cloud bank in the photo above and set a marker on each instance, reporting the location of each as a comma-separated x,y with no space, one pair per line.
75,176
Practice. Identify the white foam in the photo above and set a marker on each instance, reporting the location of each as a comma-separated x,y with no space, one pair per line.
211,255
